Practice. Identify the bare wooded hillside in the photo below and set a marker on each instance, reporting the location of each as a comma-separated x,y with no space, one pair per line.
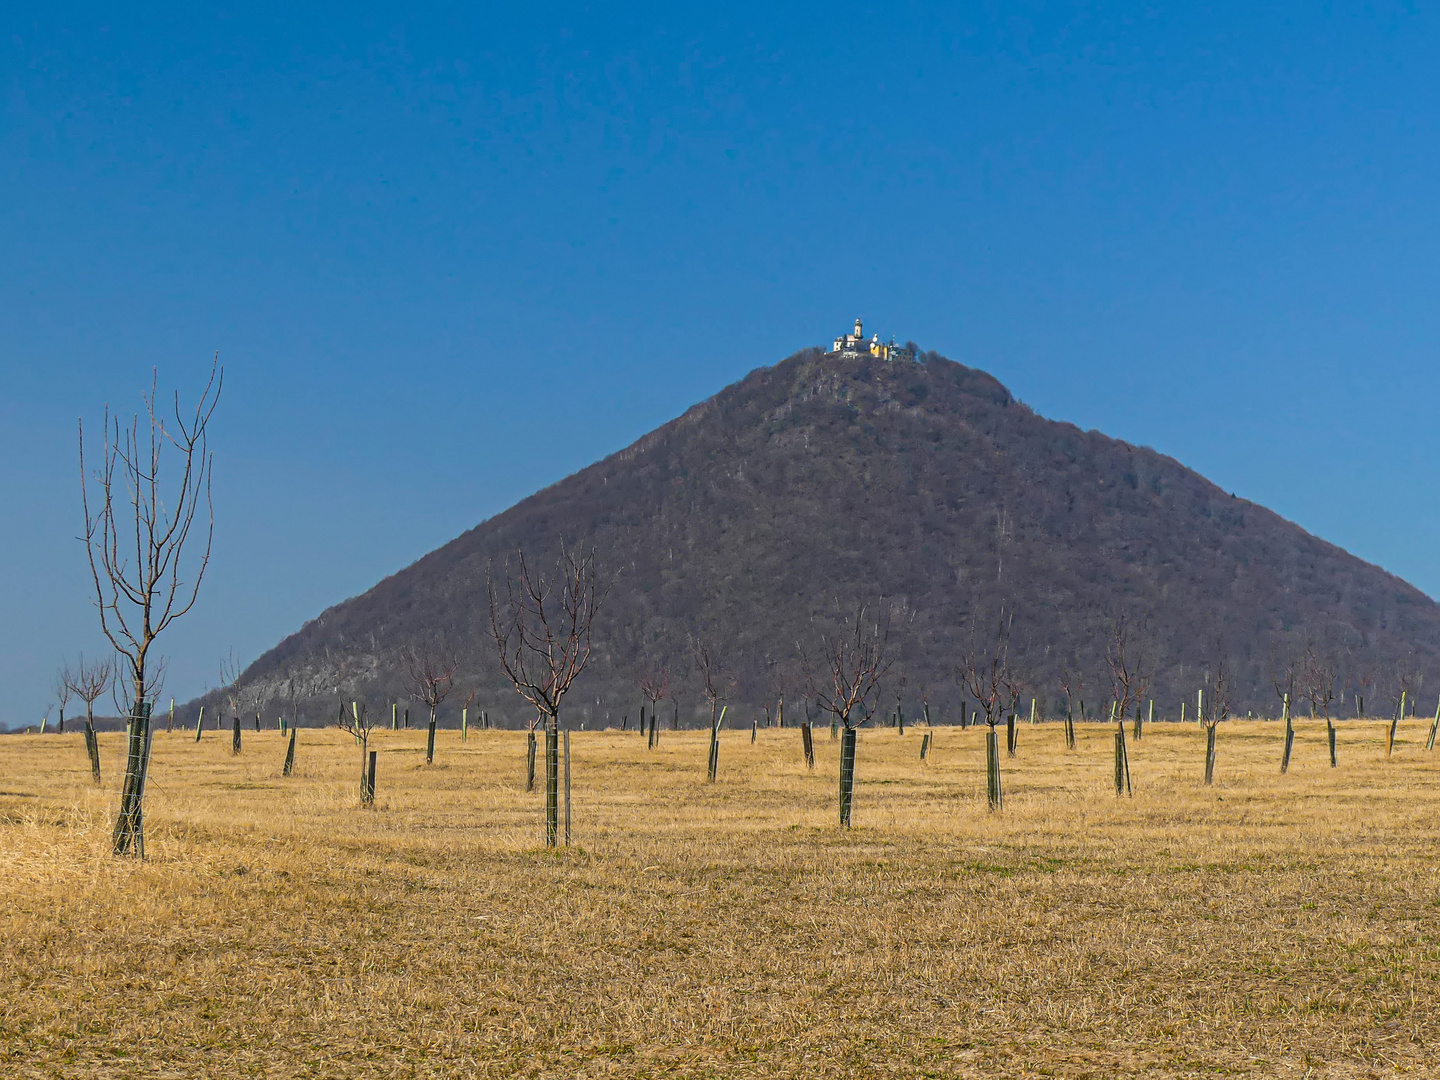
812,485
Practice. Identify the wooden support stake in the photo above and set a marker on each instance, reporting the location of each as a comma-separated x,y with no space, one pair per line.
235,735
290,755
807,744
530,760
567,788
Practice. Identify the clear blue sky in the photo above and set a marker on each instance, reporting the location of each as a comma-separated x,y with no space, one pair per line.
450,254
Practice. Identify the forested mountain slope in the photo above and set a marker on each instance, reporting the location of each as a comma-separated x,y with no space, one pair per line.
824,481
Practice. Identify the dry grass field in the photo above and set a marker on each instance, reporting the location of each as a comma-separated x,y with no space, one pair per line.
1269,926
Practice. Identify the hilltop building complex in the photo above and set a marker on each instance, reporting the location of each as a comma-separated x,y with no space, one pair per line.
855,344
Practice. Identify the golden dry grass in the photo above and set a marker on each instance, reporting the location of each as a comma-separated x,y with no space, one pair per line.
1270,926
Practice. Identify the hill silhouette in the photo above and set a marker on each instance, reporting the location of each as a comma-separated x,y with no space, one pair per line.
826,481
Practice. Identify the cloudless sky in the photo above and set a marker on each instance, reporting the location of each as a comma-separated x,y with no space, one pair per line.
450,254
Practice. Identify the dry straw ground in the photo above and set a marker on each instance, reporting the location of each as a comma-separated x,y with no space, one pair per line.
1270,926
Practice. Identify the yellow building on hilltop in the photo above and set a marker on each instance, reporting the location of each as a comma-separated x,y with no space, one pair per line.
854,344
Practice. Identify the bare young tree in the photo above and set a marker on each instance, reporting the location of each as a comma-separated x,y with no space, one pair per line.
1321,671
844,678
985,664
779,684
230,668
1219,706
88,680
358,722
1407,680
1284,677
542,624
716,690
64,688
430,669
1129,667
145,570
1072,683
655,688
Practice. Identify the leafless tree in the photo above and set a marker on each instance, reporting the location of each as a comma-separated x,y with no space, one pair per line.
1285,672
1365,676
1129,669
88,680
1219,706
1072,684
844,678
430,669
655,688
64,688
985,664
845,675
145,570
358,722
779,684
1407,678
1320,672
230,668
257,701
542,624
716,690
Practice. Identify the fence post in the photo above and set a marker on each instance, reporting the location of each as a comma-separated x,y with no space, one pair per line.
290,755
807,743
925,746
235,736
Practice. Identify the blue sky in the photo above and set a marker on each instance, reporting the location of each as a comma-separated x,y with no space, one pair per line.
450,254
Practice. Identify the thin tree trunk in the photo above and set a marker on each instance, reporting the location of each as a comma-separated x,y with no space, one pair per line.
129,834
